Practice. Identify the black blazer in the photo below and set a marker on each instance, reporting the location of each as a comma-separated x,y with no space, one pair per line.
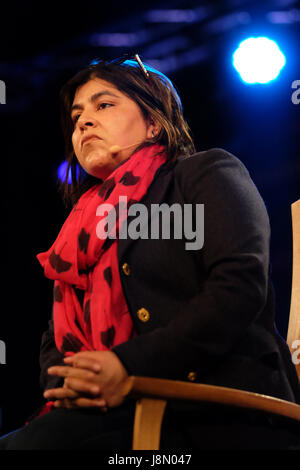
208,314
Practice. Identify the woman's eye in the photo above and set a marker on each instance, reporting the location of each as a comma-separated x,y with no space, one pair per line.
103,105
100,106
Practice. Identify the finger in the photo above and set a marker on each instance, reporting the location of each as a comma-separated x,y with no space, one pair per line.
60,393
84,363
82,354
66,371
66,403
83,386
90,402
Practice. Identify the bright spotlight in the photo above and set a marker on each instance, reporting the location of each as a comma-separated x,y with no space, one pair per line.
258,60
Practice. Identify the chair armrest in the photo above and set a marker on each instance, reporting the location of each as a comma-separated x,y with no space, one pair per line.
293,334
165,389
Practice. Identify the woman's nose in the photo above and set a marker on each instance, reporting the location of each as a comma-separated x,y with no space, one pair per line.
86,121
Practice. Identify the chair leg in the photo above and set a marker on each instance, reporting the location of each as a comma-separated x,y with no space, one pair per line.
147,423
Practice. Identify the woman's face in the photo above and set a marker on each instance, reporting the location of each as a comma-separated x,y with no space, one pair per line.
103,117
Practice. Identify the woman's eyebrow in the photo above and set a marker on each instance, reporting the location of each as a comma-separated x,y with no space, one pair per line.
94,98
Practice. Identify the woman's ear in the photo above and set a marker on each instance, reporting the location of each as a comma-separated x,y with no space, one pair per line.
153,128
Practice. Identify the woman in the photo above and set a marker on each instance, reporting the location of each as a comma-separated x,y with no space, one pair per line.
148,305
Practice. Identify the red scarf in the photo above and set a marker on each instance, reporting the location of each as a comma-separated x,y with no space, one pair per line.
79,259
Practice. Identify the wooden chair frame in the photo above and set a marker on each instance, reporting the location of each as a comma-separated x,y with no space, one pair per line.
152,393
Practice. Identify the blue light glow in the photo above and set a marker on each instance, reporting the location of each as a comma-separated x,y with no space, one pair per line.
61,172
258,60
172,16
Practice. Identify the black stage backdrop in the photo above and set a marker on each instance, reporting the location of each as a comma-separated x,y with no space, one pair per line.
42,45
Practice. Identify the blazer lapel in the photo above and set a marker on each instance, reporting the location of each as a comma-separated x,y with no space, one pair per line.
155,195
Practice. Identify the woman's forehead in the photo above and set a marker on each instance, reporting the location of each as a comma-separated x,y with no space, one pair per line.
95,85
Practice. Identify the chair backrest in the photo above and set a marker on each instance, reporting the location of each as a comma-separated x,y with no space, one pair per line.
293,336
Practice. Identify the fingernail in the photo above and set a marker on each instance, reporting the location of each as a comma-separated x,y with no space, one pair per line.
68,359
100,402
95,389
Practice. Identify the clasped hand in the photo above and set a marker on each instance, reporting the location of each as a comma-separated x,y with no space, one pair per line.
91,378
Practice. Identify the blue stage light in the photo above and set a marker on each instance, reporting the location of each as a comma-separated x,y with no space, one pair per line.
61,172
258,60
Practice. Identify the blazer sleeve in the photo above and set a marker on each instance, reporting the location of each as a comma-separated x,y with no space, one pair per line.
49,356
235,259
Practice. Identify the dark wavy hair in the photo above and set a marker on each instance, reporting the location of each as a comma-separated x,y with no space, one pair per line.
157,98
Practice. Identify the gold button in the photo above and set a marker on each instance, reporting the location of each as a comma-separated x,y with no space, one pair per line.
143,314
126,269
192,376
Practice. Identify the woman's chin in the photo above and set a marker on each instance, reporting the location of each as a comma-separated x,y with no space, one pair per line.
100,163
98,169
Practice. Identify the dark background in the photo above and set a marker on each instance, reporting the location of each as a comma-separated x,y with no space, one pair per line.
42,45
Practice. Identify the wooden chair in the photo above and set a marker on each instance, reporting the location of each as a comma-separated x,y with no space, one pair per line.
152,393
